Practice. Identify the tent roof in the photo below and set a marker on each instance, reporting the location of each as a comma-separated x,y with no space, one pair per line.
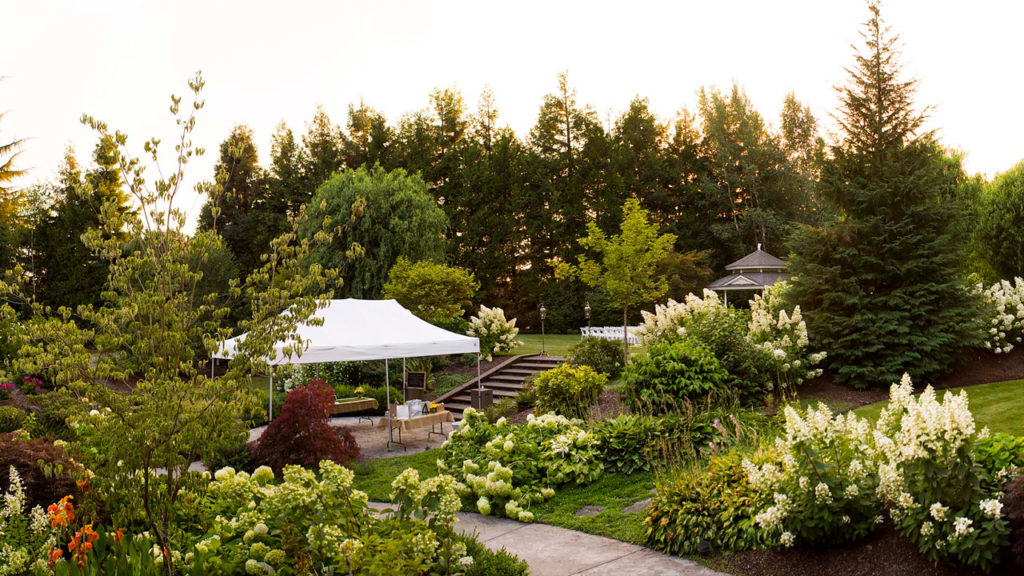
367,330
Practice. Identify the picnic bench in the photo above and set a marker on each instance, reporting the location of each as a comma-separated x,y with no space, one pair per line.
435,420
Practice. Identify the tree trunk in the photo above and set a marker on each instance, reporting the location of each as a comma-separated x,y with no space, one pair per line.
625,335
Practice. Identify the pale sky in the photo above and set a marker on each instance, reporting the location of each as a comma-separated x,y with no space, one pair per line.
270,61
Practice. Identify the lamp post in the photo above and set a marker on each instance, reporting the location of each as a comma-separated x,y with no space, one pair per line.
586,312
543,316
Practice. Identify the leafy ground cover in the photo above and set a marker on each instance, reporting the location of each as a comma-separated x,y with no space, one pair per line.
998,405
612,492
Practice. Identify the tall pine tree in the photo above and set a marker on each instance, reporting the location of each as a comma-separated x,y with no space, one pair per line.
880,283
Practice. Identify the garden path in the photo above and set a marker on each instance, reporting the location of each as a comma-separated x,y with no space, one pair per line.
553,551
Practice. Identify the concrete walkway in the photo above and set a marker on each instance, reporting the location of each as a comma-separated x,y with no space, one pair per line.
554,551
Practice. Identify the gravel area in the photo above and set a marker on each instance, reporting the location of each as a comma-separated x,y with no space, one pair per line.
373,440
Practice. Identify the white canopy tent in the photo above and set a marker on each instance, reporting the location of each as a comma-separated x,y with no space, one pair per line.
365,330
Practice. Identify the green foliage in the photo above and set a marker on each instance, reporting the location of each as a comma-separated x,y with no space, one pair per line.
510,467
496,333
443,383
434,292
672,372
600,354
490,563
503,408
12,418
715,504
389,215
999,452
626,270
623,442
568,390
1001,216
880,283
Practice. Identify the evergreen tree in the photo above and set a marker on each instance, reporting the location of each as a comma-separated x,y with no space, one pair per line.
69,274
323,151
11,201
998,243
879,283
284,180
370,139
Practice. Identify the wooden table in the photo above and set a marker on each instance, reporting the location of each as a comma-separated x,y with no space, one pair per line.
346,406
434,420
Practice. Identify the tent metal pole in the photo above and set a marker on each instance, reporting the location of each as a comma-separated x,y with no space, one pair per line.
405,383
270,397
387,387
479,384
213,364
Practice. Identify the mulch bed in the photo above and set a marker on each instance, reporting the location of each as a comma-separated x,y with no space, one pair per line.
884,553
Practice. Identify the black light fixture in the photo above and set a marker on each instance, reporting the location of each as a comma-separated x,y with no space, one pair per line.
586,312
543,316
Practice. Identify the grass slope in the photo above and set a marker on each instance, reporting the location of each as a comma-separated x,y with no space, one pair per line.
613,492
999,405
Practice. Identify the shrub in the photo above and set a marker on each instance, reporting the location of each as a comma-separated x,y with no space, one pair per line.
929,473
378,393
1002,315
707,510
233,451
46,472
28,534
511,467
999,452
496,334
824,483
782,339
623,442
568,390
527,395
501,409
12,418
721,329
302,434
604,356
446,382
673,371
492,563
5,390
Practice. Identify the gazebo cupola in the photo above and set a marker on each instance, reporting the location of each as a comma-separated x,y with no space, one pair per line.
755,271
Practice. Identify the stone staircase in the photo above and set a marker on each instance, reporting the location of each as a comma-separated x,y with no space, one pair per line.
505,380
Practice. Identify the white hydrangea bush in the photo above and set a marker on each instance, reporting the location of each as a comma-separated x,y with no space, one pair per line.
668,320
835,474
824,481
1003,321
782,337
929,476
511,467
496,333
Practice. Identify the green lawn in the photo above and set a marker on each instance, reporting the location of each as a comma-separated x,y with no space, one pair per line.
557,344
1000,406
613,492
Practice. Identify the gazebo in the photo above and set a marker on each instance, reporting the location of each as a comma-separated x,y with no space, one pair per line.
755,271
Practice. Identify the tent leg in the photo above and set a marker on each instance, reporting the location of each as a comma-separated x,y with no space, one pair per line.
479,384
405,383
387,387
270,397
213,364
726,299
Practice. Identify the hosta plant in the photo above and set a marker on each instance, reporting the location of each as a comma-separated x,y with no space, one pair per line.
496,334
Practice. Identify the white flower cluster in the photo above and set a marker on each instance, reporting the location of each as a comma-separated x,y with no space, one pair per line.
1005,319
668,319
496,334
783,338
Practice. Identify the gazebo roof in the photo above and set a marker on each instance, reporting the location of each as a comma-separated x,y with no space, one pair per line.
747,281
757,260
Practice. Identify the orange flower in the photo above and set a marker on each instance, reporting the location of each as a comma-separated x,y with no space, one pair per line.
55,554
82,543
63,513
119,535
